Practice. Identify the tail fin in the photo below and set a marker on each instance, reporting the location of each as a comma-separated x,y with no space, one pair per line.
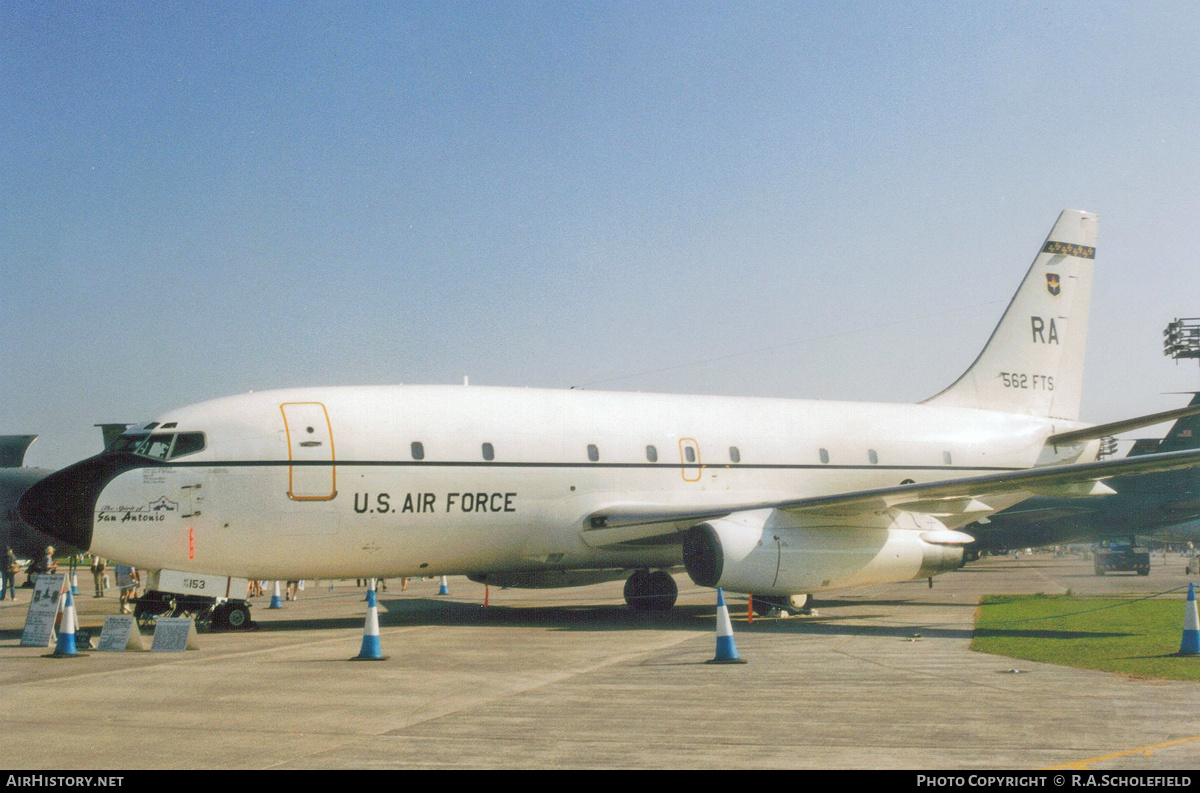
111,432
13,448
1033,362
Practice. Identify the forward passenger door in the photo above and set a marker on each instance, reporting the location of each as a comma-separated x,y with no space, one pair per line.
313,475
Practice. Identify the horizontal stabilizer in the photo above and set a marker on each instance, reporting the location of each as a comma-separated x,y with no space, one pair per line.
1116,427
13,448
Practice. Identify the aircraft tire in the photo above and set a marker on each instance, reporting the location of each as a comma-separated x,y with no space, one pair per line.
663,591
647,591
636,589
232,615
237,616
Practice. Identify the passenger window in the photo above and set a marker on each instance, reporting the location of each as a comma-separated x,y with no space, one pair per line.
418,450
824,456
734,455
489,453
873,457
187,443
652,454
593,453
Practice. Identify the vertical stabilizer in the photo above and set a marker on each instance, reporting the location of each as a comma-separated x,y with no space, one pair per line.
1184,433
1033,362
13,448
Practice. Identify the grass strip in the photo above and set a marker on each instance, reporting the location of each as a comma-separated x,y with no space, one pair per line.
1132,636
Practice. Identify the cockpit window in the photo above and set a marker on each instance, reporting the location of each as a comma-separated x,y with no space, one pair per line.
159,445
187,443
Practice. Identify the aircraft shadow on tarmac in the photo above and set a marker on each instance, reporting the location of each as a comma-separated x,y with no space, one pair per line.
419,611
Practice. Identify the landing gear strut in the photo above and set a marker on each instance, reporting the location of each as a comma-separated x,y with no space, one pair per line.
647,591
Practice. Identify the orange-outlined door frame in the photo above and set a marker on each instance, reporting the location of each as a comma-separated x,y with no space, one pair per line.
689,458
310,441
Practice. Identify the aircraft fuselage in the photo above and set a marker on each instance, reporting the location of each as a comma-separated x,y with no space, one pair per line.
417,480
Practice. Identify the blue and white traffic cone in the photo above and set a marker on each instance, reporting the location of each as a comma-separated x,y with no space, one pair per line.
276,602
726,651
65,648
371,651
1191,626
74,583
443,587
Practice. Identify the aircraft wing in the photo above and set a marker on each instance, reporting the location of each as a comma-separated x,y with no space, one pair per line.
630,522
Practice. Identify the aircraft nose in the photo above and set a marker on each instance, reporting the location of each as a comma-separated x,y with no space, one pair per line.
63,505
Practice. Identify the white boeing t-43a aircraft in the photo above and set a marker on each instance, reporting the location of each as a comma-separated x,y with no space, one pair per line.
543,488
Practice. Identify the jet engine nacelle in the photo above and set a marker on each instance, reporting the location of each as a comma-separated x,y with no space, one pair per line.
766,553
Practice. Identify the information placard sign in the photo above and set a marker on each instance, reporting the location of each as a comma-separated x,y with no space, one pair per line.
43,611
120,634
174,635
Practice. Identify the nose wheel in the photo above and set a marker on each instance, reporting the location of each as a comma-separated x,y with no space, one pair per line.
650,591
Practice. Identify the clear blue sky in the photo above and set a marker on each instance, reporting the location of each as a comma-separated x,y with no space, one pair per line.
800,199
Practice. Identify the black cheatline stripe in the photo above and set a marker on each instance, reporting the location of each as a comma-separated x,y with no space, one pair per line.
483,464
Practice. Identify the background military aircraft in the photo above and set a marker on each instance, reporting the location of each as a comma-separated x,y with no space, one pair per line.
15,479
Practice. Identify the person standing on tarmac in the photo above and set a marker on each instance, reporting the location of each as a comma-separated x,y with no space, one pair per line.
127,581
98,576
11,567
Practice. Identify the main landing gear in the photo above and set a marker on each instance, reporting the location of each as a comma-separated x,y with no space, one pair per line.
650,591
